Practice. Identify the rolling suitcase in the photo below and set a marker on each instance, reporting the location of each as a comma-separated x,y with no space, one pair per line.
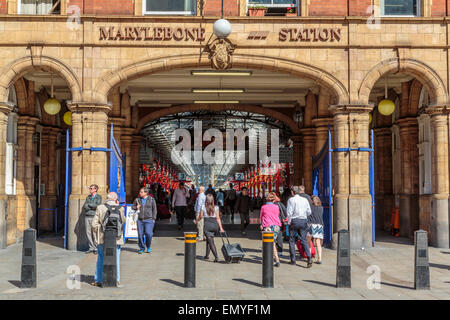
232,253
302,252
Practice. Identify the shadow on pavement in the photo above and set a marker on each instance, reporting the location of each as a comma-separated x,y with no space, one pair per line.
332,285
135,250
248,282
440,266
16,283
173,282
396,285
445,252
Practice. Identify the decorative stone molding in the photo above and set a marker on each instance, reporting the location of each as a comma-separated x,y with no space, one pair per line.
88,107
220,53
351,108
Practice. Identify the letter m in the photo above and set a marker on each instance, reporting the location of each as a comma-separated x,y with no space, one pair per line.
104,34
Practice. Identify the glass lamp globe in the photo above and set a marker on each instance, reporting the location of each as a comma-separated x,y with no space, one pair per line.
222,28
386,107
52,106
68,118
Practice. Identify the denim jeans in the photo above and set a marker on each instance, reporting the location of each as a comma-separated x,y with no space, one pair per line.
300,226
145,228
99,272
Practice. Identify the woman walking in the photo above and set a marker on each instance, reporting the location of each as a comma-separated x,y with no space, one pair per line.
316,226
213,225
270,221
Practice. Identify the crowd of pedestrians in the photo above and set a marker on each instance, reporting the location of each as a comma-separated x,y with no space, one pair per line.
294,212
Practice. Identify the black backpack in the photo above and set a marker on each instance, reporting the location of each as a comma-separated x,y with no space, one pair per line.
113,220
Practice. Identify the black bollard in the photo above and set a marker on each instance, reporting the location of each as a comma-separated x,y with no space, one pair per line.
190,243
343,270
28,272
421,266
267,271
110,259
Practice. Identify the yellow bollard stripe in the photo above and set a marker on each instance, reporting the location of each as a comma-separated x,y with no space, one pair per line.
190,236
267,240
190,241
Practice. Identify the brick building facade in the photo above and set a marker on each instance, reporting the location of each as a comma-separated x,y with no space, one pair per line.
343,60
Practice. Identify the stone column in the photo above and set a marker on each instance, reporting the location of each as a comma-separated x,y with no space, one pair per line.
26,199
439,236
409,196
321,125
298,168
89,130
352,200
309,145
384,198
5,109
135,149
48,177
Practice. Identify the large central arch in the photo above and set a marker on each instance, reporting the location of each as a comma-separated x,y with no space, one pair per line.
139,69
218,107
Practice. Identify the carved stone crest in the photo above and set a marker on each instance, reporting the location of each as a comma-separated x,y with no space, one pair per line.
220,53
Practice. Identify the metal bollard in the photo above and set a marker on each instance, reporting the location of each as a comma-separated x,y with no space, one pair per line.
421,266
110,259
190,243
28,272
343,270
267,271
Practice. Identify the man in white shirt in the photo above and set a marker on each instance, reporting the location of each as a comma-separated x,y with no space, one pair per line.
198,207
298,210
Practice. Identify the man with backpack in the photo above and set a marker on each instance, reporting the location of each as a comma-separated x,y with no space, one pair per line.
108,216
230,199
147,213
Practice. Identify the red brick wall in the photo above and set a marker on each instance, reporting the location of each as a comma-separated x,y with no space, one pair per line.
438,8
214,8
3,7
359,7
327,8
111,7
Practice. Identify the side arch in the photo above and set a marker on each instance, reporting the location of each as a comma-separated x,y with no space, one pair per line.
421,71
10,73
139,69
218,107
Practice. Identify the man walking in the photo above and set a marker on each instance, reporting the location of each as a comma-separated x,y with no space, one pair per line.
103,212
179,203
230,199
147,213
90,206
243,208
298,210
199,203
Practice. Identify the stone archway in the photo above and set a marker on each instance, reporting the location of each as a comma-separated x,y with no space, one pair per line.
139,69
422,72
10,73
219,107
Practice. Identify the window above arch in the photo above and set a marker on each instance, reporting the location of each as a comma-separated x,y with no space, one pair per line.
409,8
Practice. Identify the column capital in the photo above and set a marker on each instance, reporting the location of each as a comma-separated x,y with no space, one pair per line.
437,110
88,107
308,132
137,138
117,121
350,108
407,122
323,122
6,107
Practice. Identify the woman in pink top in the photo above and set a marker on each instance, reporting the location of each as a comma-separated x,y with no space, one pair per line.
270,221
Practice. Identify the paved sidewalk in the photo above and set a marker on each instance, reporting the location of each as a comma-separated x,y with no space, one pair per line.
159,275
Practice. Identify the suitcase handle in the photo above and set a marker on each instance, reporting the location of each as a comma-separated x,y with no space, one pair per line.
228,240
